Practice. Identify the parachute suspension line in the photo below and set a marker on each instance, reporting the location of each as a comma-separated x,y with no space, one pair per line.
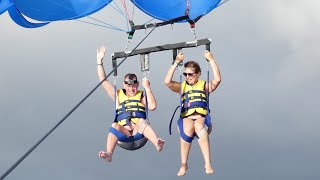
115,75
208,80
175,52
120,11
68,114
130,21
132,15
126,9
102,22
180,80
117,8
115,95
188,5
113,28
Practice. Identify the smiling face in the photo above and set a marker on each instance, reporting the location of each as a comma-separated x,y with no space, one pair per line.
131,85
192,72
191,76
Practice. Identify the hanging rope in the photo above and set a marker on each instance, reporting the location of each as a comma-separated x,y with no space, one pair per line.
126,9
68,114
114,28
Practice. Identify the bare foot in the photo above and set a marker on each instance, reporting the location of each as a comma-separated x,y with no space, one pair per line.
106,156
183,169
160,144
209,169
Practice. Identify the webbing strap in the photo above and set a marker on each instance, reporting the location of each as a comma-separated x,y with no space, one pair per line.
146,108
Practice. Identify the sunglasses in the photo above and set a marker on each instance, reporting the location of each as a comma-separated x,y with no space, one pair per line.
131,82
188,74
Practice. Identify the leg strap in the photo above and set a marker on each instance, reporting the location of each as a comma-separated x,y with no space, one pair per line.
182,134
121,137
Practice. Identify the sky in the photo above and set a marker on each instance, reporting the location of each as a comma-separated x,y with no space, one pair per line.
264,112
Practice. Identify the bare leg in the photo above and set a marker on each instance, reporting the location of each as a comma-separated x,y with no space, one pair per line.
184,150
205,149
188,128
110,146
149,133
112,142
204,144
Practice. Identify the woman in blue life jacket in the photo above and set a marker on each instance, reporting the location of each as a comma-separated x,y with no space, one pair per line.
194,110
130,101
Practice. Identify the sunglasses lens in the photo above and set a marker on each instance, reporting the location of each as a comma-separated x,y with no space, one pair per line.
188,74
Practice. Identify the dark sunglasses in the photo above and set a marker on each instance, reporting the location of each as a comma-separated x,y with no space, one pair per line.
131,82
188,74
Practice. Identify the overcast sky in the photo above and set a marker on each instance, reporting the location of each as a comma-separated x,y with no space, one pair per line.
265,112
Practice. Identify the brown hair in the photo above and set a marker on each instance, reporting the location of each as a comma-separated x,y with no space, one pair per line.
130,76
194,65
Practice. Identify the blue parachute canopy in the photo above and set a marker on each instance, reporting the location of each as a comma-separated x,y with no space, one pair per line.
46,11
54,10
169,9
4,5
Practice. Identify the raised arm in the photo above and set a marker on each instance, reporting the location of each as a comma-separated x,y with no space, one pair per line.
152,103
173,85
108,87
216,72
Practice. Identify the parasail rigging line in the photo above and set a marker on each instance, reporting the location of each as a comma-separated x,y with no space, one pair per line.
117,8
108,27
120,11
126,9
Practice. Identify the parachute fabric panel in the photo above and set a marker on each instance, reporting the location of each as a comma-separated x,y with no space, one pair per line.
4,5
20,20
55,10
168,9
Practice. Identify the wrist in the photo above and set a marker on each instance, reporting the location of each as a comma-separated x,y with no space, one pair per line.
148,90
175,63
99,61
